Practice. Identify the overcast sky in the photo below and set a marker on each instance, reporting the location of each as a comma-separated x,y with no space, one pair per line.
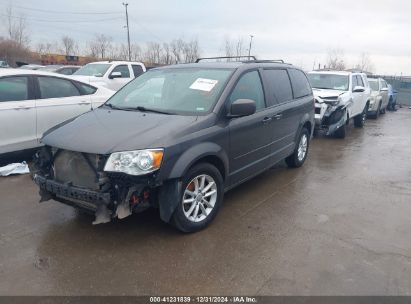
300,32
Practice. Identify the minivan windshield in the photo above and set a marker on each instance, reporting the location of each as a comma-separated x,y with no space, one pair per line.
374,84
329,81
185,91
93,69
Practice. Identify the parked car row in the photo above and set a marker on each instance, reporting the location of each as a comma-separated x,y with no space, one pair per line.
341,96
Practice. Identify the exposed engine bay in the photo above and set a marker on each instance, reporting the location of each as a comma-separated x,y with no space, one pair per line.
78,179
330,113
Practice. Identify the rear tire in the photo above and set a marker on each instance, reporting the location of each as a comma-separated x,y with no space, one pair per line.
300,153
359,120
201,198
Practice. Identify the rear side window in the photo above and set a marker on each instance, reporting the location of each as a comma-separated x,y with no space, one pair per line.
249,87
13,89
137,70
301,86
86,89
51,87
123,69
66,71
278,86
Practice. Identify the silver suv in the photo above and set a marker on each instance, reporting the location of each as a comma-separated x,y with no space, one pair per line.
379,97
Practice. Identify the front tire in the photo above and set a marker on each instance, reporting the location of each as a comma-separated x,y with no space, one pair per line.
201,197
300,153
341,132
359,120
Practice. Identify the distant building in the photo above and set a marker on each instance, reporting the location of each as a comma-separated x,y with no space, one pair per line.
47,59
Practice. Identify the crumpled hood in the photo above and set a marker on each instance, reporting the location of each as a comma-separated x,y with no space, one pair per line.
104,131
324,93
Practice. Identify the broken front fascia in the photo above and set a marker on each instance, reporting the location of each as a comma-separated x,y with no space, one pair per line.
332,114
110,194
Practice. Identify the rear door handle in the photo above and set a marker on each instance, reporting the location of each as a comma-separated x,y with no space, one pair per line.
266,120
83,103
278,116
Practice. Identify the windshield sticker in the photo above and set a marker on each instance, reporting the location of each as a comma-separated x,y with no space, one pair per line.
203,84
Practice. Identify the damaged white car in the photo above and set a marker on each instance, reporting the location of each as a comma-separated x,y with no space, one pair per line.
339,96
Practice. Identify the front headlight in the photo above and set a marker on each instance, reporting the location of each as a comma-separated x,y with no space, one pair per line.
135,162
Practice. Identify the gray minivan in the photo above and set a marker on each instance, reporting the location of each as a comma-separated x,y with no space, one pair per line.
177,138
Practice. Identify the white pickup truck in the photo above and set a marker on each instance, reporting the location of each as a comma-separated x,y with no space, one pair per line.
110,74
339,96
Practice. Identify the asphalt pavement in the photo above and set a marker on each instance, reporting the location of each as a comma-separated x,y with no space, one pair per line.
340,225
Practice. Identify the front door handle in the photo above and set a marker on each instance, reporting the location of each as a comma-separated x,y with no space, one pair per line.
85,103
278,116
266,120
22,108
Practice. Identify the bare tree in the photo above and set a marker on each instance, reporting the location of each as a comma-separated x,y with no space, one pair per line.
233,48
191,51
239,47
177,46
228,47
153,52
335,60
364,63
69,45
17,27
12,51
100,46
167,56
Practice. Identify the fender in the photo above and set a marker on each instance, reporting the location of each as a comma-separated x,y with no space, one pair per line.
170,192
304,119
195,153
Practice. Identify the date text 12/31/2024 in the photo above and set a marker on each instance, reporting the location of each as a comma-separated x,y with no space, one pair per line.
201,299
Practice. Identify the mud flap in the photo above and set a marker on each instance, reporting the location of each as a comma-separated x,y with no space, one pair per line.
168,198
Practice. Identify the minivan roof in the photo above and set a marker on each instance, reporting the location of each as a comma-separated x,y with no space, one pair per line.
229,65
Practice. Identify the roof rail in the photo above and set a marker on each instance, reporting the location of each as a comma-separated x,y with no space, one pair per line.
267,61
226,57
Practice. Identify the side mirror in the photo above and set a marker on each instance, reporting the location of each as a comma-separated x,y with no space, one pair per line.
358,89
242,107
115,75
384,90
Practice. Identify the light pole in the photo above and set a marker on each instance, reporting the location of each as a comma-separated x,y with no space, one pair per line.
128,32
249,49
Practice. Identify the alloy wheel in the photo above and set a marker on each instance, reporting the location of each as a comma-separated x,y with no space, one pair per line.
200,197
302,147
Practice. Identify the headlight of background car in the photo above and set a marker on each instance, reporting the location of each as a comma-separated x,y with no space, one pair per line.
135,162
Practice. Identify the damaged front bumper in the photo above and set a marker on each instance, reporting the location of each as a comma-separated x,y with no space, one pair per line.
329,118
77,179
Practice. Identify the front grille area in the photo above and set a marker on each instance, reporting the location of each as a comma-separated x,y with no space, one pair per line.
78,169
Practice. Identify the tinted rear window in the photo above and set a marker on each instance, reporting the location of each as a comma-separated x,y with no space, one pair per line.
301,86
137,69
278,86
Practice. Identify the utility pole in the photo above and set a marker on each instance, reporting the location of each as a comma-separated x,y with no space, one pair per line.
128,32
249,49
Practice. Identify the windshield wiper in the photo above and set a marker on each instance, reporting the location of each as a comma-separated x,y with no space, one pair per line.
144,109
111,106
